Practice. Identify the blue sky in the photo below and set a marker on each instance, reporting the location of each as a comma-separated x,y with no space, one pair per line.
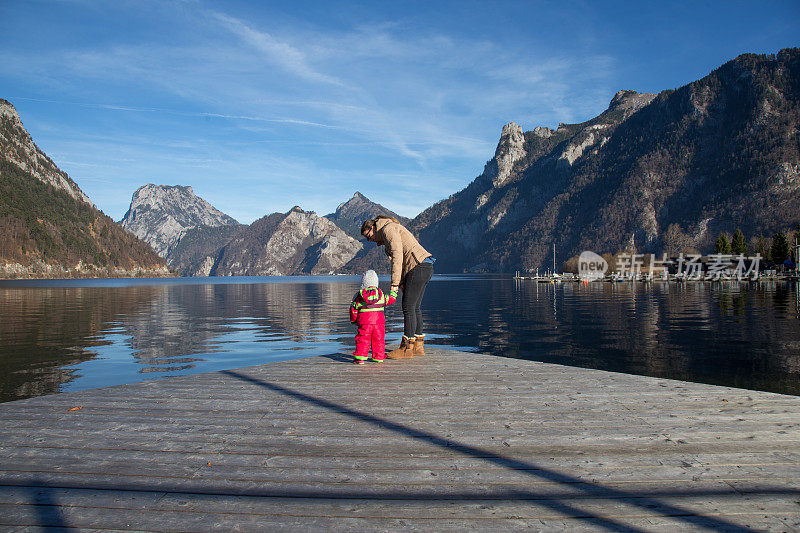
260,106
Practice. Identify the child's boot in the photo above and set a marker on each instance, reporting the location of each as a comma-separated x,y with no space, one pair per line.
419,345
405,351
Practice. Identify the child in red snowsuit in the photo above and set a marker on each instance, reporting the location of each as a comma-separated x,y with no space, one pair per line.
366,311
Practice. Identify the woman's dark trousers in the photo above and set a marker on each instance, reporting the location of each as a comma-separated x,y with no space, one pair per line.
413,291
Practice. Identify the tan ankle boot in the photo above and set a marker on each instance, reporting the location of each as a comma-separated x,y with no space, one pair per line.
405,351
419,345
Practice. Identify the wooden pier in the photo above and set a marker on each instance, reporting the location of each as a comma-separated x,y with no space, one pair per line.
446,442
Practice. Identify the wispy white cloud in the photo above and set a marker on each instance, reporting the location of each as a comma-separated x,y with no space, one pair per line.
279,52
397,91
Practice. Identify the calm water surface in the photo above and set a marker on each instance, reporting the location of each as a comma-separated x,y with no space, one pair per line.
62,335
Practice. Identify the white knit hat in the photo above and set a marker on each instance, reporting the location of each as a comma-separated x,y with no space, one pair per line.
369,279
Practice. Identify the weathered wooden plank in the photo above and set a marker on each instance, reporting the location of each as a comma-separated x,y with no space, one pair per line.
462,465
496,454
468,430
400,450
215,514
217,472
534,405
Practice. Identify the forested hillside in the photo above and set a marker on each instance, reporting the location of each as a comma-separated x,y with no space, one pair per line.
47,231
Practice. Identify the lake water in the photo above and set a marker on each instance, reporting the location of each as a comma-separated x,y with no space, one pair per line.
63,335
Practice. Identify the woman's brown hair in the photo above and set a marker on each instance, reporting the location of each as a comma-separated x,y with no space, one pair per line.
370,222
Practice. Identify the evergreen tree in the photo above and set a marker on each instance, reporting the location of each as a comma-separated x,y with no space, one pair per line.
722,246
738,244
780,248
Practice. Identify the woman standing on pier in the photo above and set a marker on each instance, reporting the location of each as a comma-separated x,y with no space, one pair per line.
412,268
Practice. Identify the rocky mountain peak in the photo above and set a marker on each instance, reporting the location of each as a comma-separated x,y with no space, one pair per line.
358,201
630,101
510,149
512,129
543,132
18,147
351,214
9,111
179,202
309,221
160,215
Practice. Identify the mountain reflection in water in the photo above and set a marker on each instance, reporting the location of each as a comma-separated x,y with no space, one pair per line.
60,335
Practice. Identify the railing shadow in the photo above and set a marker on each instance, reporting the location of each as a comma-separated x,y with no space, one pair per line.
592,489
50,517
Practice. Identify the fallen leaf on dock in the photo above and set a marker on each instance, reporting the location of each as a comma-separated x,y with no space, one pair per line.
76,408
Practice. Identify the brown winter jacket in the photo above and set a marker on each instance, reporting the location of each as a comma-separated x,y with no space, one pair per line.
406,252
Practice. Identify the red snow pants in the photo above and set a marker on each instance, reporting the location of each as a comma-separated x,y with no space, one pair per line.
371,331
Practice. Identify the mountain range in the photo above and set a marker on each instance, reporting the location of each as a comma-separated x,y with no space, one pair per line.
717,154
653,172
297,242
